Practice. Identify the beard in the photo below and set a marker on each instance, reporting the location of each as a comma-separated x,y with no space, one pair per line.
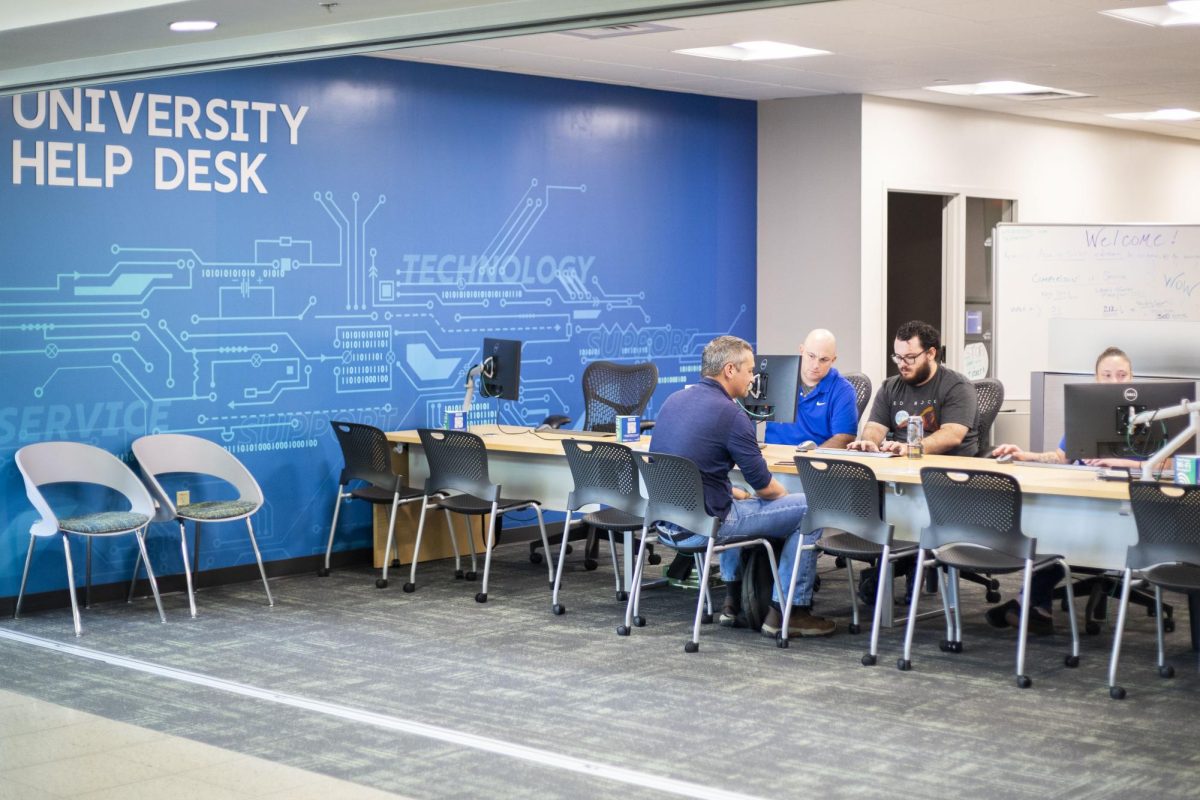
919,375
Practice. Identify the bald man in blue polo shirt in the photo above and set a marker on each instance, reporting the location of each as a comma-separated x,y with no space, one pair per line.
826,411
704,423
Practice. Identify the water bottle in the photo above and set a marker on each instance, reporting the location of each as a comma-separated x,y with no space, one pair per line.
916,434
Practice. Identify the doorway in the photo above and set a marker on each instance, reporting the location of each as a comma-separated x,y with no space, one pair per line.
915,255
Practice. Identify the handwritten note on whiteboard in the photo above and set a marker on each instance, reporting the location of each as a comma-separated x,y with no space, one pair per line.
1096,272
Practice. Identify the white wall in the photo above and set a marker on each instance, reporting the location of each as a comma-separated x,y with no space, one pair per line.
809,164
1057,172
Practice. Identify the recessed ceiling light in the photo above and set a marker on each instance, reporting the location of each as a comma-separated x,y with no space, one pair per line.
1161,115
192,25
753,51
1176,12
1002,87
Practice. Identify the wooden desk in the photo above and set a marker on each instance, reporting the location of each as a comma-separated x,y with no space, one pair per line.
524,462
1070,512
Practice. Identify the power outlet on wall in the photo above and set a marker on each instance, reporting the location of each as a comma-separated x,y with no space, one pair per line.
183,498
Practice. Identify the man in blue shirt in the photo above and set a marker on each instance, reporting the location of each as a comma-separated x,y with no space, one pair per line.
826,411
704,424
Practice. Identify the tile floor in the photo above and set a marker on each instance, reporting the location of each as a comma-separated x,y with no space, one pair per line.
48,752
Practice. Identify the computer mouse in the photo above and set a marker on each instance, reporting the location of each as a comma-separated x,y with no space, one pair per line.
805,446
1004,459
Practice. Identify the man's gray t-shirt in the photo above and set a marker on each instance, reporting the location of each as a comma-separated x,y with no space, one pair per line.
947,397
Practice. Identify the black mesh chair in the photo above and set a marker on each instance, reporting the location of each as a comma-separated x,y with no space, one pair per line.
846,499
862,389
458,481
989,393
609,390
676,497
975,524
604,473
1167,556
367,455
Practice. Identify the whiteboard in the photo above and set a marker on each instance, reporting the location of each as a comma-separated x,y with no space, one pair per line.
1085,272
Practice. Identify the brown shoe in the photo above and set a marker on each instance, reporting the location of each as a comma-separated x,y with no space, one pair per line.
801,623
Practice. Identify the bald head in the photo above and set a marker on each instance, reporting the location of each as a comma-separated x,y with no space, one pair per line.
818,353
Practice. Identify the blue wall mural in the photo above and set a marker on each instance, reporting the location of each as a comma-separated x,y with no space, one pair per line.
246,255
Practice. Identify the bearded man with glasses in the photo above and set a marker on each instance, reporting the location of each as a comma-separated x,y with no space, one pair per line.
943,399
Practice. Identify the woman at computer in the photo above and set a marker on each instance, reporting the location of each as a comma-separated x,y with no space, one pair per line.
1112,366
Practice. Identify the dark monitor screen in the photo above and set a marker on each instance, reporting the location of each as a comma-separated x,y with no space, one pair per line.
1096,415
773,394
501,375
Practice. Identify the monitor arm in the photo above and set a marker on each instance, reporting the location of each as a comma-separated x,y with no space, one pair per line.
487,369
1191,410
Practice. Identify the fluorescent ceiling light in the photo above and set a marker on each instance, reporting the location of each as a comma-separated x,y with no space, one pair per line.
192,25
1001,87
753,51
1161,115
1176,12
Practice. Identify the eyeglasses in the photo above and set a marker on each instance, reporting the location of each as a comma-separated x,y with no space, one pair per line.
909,359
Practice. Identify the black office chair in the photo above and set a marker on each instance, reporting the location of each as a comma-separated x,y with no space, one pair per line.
609,390
367,455
458,477
989,394
862,389
975,524
1167,555
846,499
604,473
676,496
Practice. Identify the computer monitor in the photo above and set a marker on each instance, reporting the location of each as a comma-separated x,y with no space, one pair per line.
1097,416
501,373
772,396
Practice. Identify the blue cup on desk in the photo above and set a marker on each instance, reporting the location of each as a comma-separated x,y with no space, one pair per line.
455,421
629,428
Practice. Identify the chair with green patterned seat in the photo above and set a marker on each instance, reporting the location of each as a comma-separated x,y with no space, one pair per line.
49,463
176,453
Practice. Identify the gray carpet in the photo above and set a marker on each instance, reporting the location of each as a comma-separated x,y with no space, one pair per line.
741,715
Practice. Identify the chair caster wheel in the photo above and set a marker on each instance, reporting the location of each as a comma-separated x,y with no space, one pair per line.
559,609
1116,692
395,563
903,664
691,647
992,596
1091,627
947,646
868,660
481,597
536,558
639,621
323,572
854,628
470,576
590,564
706,619
781,642
622,630
1166,671
1071,661
458,574
1168,625
409,588
380,583
654,558
622,596
1024,681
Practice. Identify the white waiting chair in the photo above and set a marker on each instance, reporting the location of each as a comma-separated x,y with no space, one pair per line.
47,463
168,453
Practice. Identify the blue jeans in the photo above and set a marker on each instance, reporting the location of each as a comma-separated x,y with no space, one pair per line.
767,519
